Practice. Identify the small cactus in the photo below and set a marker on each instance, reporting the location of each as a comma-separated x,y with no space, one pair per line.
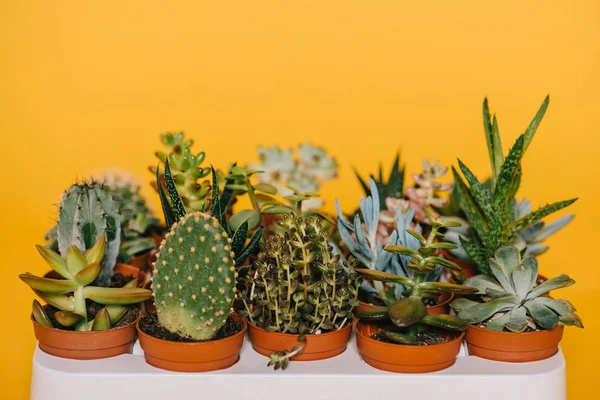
87,212
194,277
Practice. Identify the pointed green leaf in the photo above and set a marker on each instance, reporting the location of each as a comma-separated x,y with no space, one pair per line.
537,215
279,209
492,138
384,277
252,245
48,286
68,318
405,251
443,262
479,193
447,287
462,304
482,283
178,207
239,238
59,301
483,311
401,338
116,296
408,311
96,252
55,261
447,322
542,315
102,321
266,188
116,313
166,206
417,236
252,216
517,320
560,281
88,274
507,174
469,206
75,259
375,313
522,280
535,122
39,315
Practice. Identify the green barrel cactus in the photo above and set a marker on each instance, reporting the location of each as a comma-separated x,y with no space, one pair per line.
194,277
88,212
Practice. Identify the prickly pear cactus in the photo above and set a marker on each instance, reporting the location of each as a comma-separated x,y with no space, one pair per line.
194,277
88,211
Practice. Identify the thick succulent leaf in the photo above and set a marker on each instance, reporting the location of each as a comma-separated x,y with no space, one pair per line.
60,301
447,322
507,174
483,311
401,338
384,277
178,207
266,188
502,279
47,285
116,313
572,320
408,311
164,201
517,320
55,261
75,259
68,318
559,306
117,296
39,315
444,263
248,250
532,263
102,321
537,215
535,122
542,315
553,227
405,251
462,304
522,280
484,282
447,287
508,258
499,323
88,274
373,314
560,281
96,252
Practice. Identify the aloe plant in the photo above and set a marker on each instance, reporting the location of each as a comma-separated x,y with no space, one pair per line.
511,300
393,187
489,206
410,313
78,270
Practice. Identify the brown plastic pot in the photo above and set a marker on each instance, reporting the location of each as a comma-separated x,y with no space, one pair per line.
193,357
443,306
403,358
317,347
513,347
91,345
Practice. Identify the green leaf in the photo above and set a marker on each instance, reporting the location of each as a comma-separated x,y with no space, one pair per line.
507,174
492,138
537,215
237,188
416,235
447,322
479,193
252,216
116,296
522,280
462,304
474,215
535,122
384,277
49,286
483,311
483,282
102,321
164,202
68,318
443,245
39,315
60,301
401,338
254,241
96,252
239,238
75,259
559,282
373,314
277,210
447,287
405,251
55,261
517,320
408,311
542,315
443,262
266,188
88,274
176,203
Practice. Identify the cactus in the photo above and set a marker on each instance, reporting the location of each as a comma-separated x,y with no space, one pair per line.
194,277
88,211
69,294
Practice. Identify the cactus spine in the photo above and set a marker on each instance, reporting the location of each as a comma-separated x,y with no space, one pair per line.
194,277
88,211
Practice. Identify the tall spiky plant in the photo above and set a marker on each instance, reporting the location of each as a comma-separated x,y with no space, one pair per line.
393,187
489,207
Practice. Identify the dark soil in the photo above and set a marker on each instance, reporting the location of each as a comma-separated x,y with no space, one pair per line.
149,324
427,338
483,324
92,309
119,280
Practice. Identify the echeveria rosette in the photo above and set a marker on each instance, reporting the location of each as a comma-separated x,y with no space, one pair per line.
510,299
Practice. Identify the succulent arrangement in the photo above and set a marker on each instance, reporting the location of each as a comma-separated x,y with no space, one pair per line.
78,270
490,207
392,188
409,313
298,286
511,301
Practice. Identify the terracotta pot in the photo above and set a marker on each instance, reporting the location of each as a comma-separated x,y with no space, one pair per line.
513,347
468,267
193,357
403,358
443,306
126,270
90,345
318,347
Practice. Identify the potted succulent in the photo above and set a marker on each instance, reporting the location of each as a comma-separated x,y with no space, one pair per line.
363,239
404,336
513,319
300,301
194,328
494,218
74,323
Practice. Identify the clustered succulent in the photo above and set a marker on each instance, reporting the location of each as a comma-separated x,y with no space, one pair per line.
78,270
511,299
298,286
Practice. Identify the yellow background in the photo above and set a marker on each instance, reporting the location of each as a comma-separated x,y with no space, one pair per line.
86,85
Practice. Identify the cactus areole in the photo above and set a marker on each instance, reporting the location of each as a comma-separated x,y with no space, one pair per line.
194,277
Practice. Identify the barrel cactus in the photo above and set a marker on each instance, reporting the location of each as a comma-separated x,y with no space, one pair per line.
194,277
88,211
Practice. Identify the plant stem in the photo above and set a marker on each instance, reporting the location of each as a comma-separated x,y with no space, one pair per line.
80,308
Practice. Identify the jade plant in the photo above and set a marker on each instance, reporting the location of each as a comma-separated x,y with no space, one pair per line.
88,211
78,270
511,301
490,207
409,313
186,169
362,238
298,286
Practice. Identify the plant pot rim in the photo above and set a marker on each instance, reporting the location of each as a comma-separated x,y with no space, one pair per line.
194,344
345,328
87,332
478,328
459,337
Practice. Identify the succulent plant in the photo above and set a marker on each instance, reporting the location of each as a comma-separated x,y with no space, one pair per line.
88,211
186,170
425,193
490,207
511,300
194,277
410,312
361,238
78,270
303,173
298,286
392,188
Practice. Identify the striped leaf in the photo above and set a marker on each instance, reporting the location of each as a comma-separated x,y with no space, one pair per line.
537,215
492,138
469,206
535,122
508,172
176,203
164,201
